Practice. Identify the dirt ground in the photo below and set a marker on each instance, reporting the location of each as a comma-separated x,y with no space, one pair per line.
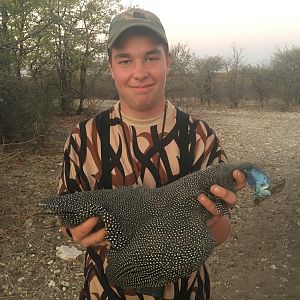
259,260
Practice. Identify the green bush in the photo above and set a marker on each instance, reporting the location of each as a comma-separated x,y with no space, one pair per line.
25,109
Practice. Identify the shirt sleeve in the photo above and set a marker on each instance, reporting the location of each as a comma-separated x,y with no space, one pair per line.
207,148
70,179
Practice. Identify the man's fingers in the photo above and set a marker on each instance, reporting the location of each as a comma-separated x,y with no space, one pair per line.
240,179
208,204
94,239
229,197
81,231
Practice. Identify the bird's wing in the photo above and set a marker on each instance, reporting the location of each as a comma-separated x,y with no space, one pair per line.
162,251
74,209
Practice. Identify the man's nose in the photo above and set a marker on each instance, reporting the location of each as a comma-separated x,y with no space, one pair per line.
140,71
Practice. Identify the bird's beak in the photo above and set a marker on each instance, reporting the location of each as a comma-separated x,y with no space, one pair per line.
263,191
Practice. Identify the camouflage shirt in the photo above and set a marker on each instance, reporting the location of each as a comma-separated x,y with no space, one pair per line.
138,153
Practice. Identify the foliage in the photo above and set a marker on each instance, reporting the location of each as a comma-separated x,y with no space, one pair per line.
285,69
180,84
234,66
216,78
261,81
24,109
76,41
206,71
49,48
21,27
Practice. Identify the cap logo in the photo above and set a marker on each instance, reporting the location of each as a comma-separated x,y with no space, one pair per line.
135,15
139,15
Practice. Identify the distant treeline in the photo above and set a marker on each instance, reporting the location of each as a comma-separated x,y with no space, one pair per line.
52,52
230,79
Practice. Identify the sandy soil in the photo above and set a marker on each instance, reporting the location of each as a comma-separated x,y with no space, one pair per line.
259,260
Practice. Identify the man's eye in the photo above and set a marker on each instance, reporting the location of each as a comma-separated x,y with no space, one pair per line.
124,62
152,59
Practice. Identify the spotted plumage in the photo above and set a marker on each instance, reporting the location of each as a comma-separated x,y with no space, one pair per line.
157,235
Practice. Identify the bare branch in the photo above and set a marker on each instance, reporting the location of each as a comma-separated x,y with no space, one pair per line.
25,142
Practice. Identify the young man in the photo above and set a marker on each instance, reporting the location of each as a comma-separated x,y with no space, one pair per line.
142,140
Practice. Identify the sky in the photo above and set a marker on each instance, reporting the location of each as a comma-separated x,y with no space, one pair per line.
259,27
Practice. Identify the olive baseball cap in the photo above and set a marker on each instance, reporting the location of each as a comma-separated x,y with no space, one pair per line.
134,17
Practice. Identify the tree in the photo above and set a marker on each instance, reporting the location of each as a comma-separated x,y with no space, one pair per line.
234,66
45,46
4,41
24,105
206,70
21,24
180,80
95,18
261,82
73,42
285,67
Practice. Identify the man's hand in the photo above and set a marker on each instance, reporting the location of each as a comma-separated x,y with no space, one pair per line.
84,235
220,225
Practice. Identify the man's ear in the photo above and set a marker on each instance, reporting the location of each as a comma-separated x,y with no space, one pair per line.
110,70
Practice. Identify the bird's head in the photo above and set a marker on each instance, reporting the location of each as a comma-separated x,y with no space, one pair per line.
258,180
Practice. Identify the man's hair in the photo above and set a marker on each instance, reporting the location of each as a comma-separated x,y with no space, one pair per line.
137,31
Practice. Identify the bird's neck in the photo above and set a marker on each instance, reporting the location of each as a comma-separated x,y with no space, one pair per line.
188,187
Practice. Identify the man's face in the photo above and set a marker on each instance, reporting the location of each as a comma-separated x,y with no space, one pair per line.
139,69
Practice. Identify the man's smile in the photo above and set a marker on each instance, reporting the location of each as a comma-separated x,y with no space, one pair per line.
142,88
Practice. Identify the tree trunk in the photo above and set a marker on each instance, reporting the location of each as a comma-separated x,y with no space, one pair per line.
4,51
82,93
65,92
